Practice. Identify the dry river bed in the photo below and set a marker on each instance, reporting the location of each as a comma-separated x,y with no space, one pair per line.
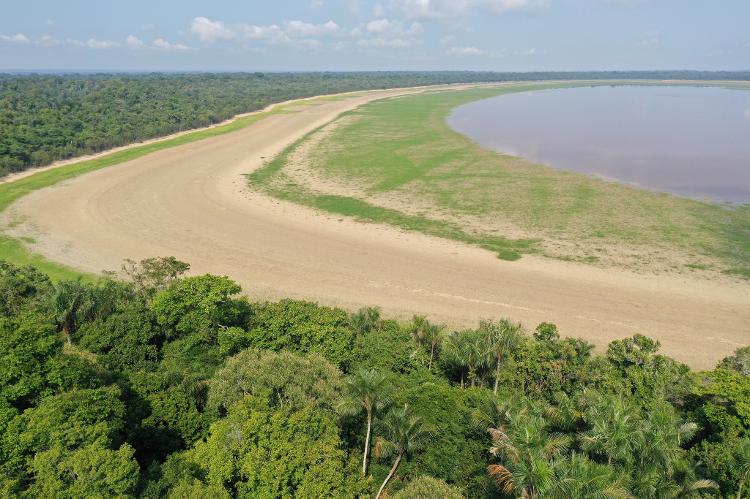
192,202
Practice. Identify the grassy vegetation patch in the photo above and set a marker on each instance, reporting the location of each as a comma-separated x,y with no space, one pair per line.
403,147
14,251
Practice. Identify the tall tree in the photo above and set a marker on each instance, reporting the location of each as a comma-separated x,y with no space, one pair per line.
403,434
503,338
466,352
365,390
427,334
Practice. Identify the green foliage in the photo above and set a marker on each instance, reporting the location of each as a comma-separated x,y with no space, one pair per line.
365,391
22,288
126,340
283,379
27,343
430,336
739,362
154,274
74,371
403,434
67,421
278,418
426,487
638,370
365,320
456,450
550,364
199,304
389,349
88,113
90,471
303,327
49,117
262,451
726,401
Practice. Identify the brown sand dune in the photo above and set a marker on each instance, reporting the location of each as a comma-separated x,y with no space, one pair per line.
191,202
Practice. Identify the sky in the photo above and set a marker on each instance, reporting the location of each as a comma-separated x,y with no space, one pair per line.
323,35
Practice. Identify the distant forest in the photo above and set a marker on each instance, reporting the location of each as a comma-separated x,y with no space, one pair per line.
47,117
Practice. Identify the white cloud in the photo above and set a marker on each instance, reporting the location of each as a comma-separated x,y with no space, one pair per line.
17,38
299,32
385,33
461,51
135,42
161,43
383,43
93,43
441,9
271,34
209,31
303,29
379,26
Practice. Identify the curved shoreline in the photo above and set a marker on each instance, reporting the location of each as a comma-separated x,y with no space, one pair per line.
191,202
532,140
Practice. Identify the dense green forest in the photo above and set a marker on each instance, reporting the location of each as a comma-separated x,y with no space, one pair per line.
44,118
153,384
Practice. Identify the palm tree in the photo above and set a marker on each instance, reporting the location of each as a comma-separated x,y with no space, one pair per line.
69,299
659,456
503,338
404,434
458,353
579,477
365,320
528,452
741,456
612,429
364,391
685,482
660,437
426,334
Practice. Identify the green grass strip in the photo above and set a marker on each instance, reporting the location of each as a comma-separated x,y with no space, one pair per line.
14,251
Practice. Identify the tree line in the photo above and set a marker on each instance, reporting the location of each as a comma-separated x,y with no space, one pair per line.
154,384
47,117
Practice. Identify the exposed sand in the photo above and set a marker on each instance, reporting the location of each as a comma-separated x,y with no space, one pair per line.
192,202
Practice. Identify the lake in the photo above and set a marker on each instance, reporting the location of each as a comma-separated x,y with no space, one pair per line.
689,141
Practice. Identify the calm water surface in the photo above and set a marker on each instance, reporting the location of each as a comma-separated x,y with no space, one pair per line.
689,141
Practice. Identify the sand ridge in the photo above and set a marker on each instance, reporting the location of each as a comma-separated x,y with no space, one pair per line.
192,202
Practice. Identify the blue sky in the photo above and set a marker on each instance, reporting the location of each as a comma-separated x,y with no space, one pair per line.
250,35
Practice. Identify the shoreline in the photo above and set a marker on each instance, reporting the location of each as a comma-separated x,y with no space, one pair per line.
192,202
